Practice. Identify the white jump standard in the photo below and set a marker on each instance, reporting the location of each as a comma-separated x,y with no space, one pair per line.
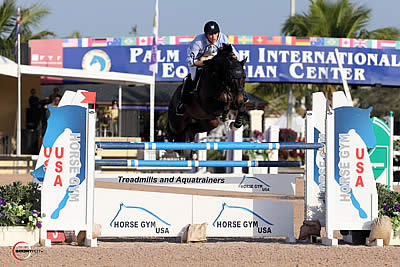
71,201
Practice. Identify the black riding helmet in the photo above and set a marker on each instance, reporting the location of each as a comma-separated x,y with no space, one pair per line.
211,27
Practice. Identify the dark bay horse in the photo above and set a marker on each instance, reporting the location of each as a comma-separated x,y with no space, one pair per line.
220,88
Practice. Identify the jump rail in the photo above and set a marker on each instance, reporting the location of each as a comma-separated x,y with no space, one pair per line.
196,163
207,145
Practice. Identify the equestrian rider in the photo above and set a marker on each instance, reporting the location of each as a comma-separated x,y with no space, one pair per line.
203,46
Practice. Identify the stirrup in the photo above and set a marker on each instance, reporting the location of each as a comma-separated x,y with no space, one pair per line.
245,98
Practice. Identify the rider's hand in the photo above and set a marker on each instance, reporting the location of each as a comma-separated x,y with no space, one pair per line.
199,63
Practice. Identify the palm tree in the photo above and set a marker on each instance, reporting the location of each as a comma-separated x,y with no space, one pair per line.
75,34
340,18
133,30
30,19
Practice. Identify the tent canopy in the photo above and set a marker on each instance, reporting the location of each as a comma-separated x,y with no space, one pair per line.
9,68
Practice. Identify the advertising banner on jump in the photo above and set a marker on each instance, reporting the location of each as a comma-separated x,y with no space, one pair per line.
61,166
135,213
312,60
284,184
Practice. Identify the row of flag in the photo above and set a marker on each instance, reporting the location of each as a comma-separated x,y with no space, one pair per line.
235,39
127,41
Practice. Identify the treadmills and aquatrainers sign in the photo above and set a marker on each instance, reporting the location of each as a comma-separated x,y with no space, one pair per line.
276,59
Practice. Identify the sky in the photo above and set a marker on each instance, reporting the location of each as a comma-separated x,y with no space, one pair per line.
114,18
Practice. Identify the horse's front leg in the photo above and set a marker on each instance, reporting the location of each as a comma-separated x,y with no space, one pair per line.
241,111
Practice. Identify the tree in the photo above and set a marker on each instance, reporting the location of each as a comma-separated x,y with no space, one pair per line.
75,34
30,19
340,19
133,30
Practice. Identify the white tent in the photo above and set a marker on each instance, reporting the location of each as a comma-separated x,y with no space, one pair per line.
298,123
10,68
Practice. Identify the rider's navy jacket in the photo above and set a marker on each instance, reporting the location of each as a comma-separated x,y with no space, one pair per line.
200,46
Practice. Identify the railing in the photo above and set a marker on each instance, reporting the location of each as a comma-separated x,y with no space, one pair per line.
20,163
6,147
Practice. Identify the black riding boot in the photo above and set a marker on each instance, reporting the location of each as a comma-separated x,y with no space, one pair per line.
186,89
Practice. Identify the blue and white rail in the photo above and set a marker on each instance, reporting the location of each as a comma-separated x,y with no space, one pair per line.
206,145
196,163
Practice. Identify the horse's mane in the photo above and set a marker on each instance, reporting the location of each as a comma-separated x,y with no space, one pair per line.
222,59
225,52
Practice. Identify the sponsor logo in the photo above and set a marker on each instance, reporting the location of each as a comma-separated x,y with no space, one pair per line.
22,251
153,221
257,184
96,60
260,224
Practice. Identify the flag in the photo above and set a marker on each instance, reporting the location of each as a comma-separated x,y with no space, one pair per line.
170,40
233,39
302,41
128,41
317,41
184,39
90,97
70,42
161,40
345,42
360,43
331,42
259,39
274,40
113,41
83,42
288,40
387,44
245,39
17,32
98,42
145,40
153,62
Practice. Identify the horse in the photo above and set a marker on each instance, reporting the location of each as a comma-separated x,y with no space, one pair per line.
219,89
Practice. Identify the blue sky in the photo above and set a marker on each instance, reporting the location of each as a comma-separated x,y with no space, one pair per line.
100,18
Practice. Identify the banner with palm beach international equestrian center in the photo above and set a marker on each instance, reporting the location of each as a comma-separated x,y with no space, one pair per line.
269,59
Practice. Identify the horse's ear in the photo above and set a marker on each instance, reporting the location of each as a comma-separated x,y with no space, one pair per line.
243,61
226,47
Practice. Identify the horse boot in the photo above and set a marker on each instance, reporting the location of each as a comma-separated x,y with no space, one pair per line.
186,89
240,115
224,116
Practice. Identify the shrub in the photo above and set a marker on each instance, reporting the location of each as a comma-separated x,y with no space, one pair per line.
20,205
389,205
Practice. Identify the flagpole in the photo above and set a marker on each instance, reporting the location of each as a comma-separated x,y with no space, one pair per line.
152,98
119,110
154,68
19,88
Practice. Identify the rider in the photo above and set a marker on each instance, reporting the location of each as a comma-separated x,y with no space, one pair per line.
205,44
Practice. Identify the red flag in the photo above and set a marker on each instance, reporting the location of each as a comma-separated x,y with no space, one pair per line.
90,97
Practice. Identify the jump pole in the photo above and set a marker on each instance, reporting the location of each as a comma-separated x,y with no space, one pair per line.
196,163
206,145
